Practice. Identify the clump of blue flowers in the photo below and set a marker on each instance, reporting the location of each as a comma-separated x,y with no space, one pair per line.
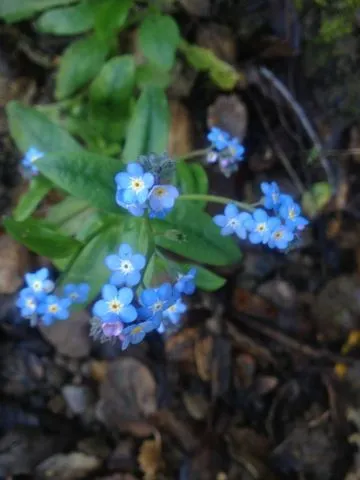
38,303
226,151
277,228
28,163
124,314
142,187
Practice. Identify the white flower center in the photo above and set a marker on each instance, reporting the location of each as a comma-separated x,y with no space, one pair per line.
115,306
157,306
30,303
261,227
160,192
126,266
53,308
278,234
233,223
172,309
74,296
33,158
275,197
37,286
137,184
292,214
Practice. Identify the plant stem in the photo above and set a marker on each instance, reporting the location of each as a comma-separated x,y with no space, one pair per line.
216,199
194,154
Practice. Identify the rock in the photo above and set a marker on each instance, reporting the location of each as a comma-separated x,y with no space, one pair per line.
78,398
70,337
67,467
14,264
229,113
127,396
180,141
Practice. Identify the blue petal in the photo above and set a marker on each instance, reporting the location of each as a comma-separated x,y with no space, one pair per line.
117,278
220,220
228,230
260,215
109,292
128,314
125,295
138,261
132,279
135,169
122,180
100,308
265,188
42,274
231,210
273,223
148,179
142,196
148,297
255,238
113,262
129,196
164,291
241,232
137,337
125,251
156,203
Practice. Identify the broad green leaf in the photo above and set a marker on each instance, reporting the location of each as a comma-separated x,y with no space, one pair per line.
84,175
30,128
205,279
42,238
38,188
67,20
61,212
111,95
316,198
223,74
192,178
15,10
159,38
149,126
193,234
79,64
89,266
110,16
200,178
150,74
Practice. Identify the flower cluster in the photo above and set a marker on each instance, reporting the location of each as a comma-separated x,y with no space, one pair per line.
227,151
121,314
38,303
277,231
29,162
141,187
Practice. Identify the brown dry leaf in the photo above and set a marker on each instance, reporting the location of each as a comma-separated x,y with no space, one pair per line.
219,39
98,369
180,347
203,351
14,263
128,396
71,466
150,459
246,440
70,338
180,141
199,8
229,113
252,304
167,421
196,404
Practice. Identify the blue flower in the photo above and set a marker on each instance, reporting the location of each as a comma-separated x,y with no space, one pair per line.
126,266
235,149
212,157
162,197
39,282
112,329
174,312
134,183
155,300
54,308
218,138
272,195
136,333
232,221
280,236
134,208
185,283
161,214
28,162
77,293
115,305
260,226
290,212
28,302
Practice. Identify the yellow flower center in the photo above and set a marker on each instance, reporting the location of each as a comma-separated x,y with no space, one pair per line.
278,234
172,309
137,329
74,296
292,214
157,306
160,192
115,306
30,303
261,227
137,184
53,308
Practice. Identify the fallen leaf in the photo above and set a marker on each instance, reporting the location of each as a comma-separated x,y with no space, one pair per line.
69,466
203,351
150,459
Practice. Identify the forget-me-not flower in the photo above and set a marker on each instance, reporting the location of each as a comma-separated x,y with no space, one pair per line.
162,197
126,266
236,150
134,208
260,226
155,300
272,195
39,282
29,160
218,138
28,302
134,183
77,293
280,236
54,308
174,312
290,212
115,305
136,333
232,221
186,282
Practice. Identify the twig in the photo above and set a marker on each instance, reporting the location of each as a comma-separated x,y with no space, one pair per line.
299,111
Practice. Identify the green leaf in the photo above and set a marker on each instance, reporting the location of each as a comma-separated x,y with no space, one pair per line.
315,199
193,234
111,95
192,178
205,279
149,74
66,21
79,64
110,16
15,10
224,75
89,265
84,175
30,128
149,126
159,38
38,188
41,238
